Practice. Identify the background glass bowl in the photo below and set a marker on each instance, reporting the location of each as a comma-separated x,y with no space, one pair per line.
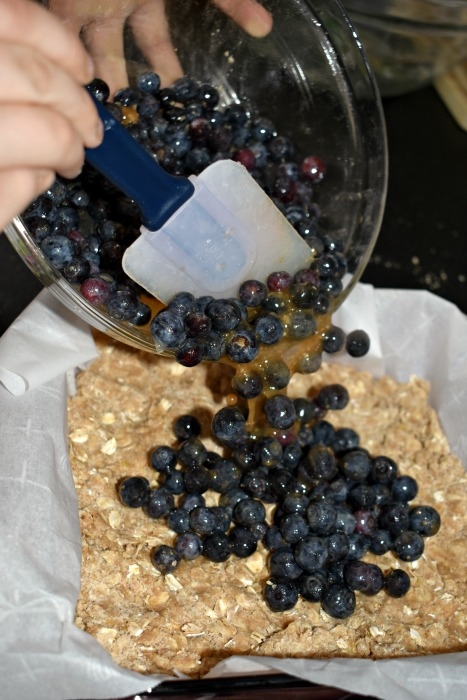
410,42
311,77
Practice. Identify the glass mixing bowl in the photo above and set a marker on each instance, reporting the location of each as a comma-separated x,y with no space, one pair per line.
410,42
311,77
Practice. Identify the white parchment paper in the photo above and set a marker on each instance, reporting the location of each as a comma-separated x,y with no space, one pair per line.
43,656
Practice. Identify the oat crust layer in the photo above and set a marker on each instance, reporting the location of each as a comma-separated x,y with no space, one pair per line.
125,405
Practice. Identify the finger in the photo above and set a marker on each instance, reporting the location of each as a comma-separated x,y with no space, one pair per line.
104,40
152,35
18,188
35,136
26,22
28,77
248,14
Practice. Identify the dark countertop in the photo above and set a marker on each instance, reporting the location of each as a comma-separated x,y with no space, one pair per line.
423,240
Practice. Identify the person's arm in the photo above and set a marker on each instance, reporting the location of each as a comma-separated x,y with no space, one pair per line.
101,27
46,116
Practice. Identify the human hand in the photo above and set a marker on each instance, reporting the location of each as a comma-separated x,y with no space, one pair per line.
46,116
102,32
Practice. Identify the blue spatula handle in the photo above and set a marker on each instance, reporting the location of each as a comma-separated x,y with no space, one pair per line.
134,171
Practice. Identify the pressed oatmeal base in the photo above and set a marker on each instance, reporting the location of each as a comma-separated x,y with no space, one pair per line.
188,621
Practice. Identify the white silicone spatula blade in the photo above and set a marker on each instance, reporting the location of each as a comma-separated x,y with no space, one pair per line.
227,232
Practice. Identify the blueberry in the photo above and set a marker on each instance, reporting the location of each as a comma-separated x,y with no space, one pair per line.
192,452
224,477
167,330
247,384
311,553
304,295
339,601
178,520
196,479
276,375
229,499
273,538
397,583
313,587
357,343
279,281
248,511
222,518
334,340
134,491
252,293
228,426
309,363
425,520
383,470
197,323
268,451
184,89
212,345
126,97
208,95
242,541
293,527
175,482
301,324
320,463
282,562
363,577
333,397
77,270
408,546
202,520
280,412
345,520
165,559
224,314
276,303
192,501
163,459
395,518
242,346
280,594
58,249
122,304
404,488
292,455
345,439
323,432
381,542
216,547
355,465
295,502
321,517
159,503
269,329
361,496
366,522
95,290
186,426
188,546
99,89
148,82
182,304
338,546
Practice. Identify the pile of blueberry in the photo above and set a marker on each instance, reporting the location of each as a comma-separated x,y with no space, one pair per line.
204,328
332,503
83,226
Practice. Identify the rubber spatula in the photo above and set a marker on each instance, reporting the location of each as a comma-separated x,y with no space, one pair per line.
204,234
